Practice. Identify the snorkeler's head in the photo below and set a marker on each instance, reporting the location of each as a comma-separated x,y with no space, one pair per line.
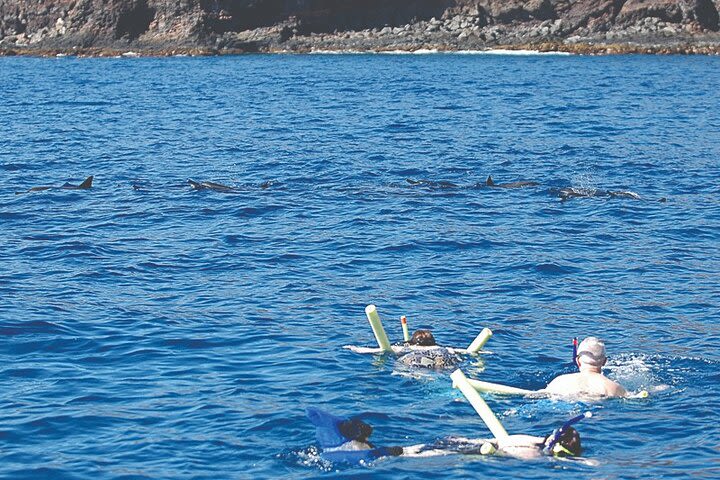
591,351
422,338
568,444
354,429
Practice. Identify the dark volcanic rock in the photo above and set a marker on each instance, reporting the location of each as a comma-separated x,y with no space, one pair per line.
593,14
702,12
215,26
518,11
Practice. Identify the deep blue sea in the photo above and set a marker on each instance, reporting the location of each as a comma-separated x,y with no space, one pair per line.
149,330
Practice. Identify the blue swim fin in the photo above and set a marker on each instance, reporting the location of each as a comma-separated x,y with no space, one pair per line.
327,428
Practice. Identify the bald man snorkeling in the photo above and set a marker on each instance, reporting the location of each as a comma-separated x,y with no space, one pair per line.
590,359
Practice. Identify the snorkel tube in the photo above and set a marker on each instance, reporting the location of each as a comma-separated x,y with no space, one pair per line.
575,345
406,332
557,434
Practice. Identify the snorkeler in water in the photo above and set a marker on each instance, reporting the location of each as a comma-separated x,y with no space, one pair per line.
434,356
564,442
422,338
421,350
588,383
346,440
590,357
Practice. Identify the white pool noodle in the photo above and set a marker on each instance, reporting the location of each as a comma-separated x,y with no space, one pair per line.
482,408
498,388
480,341
377,328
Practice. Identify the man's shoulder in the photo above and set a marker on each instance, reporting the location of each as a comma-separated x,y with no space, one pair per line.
568,377
614,389
561,380
585,383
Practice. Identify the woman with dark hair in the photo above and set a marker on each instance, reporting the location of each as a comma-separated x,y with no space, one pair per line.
426,353
422,338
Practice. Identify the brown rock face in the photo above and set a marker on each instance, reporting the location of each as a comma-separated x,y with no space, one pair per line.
98,22
256,25
703,12
518,10
587,13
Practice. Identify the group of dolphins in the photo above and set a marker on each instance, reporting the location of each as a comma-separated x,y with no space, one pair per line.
565,193
87,184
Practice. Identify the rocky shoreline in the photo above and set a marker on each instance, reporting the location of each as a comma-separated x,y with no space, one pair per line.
161,28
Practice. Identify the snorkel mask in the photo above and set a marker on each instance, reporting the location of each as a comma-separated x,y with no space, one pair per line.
554,447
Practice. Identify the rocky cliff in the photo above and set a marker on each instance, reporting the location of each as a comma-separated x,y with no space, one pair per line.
219,26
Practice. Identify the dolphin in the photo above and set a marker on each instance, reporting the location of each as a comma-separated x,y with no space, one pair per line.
431,183
216,187
572,192
489,183
87,184
219,187
624,194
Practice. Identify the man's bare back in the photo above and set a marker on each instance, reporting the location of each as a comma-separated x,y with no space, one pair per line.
585,383
589,381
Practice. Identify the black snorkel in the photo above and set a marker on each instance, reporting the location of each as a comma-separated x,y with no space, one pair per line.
558,433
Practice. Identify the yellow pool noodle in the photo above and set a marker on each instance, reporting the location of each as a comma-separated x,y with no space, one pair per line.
641,394
487,448
460,381
377,328
480,341
406,333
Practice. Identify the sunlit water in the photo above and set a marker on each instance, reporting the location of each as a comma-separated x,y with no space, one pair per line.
153,331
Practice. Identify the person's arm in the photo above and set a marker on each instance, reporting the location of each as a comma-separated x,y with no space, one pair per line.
617,390
521,446
388,451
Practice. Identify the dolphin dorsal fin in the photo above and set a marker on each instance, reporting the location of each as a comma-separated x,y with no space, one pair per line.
87,183
489,181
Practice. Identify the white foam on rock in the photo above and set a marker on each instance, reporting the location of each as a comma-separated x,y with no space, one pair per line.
433,51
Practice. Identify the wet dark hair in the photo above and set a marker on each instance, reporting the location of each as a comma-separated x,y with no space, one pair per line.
423,338
354,429
570,439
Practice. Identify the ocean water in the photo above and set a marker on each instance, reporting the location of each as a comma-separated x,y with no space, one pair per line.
153,331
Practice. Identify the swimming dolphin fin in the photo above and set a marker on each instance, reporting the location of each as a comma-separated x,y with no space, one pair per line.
490,182
86,184
83,186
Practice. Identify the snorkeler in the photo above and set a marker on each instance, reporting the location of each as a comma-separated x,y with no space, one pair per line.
421,350
562,442
434,356
345,440
590,358
423,338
